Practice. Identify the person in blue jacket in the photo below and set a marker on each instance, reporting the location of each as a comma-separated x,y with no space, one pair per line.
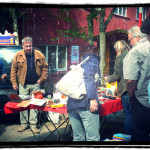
3,72
84,113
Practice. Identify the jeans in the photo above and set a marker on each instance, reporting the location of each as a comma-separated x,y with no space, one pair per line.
141,121
85,125
30,115
128,124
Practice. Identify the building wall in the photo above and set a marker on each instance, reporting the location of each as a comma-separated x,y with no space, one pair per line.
42,24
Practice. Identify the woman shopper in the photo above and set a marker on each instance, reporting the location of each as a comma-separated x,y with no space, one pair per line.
84,113
122,49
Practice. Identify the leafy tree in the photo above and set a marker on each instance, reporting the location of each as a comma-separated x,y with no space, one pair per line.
102,36
11,20
75,31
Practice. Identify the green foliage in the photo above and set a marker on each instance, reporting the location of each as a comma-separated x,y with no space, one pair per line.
72,31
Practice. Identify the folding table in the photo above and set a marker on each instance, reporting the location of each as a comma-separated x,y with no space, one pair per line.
109,106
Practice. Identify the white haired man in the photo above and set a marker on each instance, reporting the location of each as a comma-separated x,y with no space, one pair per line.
30,68
137,74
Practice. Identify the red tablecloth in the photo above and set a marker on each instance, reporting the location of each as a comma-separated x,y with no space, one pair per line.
109,107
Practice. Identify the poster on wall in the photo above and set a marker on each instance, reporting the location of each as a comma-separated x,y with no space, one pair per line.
74,54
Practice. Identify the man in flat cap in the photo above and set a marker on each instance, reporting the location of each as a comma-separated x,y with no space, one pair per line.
136,68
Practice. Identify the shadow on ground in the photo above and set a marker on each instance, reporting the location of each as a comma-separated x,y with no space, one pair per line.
10,124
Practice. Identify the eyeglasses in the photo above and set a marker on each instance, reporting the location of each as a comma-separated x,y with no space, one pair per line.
131,39
28,46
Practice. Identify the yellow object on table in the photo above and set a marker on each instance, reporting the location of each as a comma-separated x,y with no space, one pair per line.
109,85
57,105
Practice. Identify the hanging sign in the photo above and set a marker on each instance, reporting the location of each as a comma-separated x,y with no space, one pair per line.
74,54
6,40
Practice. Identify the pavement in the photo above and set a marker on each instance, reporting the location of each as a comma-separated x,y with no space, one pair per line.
9,137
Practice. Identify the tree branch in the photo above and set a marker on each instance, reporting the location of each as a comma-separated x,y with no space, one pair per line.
110,17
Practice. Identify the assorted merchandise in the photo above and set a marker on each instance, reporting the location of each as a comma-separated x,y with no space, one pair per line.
41,99
52,116
119,137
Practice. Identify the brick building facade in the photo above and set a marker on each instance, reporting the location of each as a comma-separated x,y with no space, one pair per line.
41,24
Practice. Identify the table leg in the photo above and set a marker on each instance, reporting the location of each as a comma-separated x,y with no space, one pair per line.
29,126
68,125
102,119
42,123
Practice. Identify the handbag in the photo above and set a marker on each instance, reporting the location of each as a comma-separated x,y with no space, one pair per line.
72,83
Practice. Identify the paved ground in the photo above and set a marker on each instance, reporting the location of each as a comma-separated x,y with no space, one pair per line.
10,123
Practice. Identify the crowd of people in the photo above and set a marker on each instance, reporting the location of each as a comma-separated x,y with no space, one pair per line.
132,74
30,69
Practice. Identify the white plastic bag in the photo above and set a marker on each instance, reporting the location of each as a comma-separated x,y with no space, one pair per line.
54,116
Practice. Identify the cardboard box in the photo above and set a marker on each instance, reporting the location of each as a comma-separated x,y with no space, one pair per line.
24,103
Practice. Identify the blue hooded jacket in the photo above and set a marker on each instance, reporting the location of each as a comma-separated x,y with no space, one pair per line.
91,67
2,68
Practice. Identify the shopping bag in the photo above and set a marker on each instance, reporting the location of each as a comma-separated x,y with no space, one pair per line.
72,83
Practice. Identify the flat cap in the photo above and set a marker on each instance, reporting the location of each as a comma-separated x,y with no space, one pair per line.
145,27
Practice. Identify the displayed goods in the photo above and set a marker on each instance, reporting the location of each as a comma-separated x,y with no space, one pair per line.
72,83
24,103
109,85
57,105
52,116
121,137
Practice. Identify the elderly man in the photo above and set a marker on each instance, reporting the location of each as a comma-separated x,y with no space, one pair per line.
30,68
137,74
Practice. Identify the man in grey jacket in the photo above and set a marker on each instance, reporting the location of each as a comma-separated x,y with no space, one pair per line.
137,74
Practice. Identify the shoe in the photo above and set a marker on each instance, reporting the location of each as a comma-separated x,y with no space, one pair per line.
35,130
22,128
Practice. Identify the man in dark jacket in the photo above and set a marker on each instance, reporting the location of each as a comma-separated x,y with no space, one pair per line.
84,113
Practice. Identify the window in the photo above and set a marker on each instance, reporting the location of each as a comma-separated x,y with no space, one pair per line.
56,57
143,13
121,11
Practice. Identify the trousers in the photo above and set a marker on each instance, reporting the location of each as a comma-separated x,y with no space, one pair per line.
141,121
85,125
128,124
28,117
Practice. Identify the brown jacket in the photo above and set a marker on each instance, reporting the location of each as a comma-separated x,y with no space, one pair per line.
19,67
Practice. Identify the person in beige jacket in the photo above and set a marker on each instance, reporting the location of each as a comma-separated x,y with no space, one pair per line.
29,69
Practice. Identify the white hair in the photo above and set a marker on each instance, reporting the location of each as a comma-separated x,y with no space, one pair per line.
135,31
27,39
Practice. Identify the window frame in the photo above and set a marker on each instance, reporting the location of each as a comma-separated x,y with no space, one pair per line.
121,11
137,13
57,50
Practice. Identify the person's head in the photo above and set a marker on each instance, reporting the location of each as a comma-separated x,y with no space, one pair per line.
27,44
145,27
89,49
134,35
121,46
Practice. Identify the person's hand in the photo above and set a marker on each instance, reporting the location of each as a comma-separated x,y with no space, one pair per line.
15,87
3,76
39,82
105,78
93,105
